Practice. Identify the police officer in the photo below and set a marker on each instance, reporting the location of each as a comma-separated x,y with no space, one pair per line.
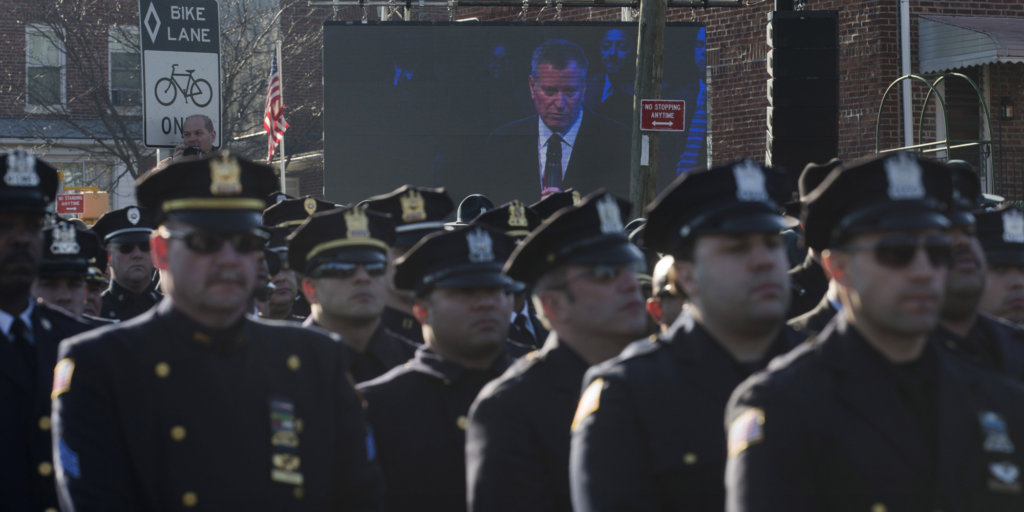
282,219
582,270
871,416
517,221
133,289
194,404
417,212
1002,236
809,282
418,410
96,279
64,268
977,337
31,331
343,255
648,431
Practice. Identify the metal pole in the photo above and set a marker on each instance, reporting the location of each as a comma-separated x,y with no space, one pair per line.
643,169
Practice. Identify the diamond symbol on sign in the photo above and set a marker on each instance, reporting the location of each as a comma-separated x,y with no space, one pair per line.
152,22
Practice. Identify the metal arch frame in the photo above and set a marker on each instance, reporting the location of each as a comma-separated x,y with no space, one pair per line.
940,145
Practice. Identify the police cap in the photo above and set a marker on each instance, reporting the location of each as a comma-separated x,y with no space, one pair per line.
590,233
514,218
416,211
351,235
549,205
738,197
67,251
128,225
892,192
29,184
220,193
1001,233
468,257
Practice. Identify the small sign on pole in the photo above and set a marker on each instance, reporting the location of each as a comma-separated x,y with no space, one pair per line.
662,115
180,66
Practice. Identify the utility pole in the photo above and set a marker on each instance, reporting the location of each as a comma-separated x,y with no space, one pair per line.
643,168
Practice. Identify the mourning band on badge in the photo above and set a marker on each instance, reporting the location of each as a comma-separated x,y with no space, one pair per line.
284,442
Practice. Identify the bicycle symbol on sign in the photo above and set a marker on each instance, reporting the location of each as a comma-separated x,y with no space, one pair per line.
167,88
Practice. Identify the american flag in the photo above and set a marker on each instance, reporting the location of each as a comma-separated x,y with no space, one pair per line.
273,117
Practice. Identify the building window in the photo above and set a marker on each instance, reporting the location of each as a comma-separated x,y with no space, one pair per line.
44,65
125,66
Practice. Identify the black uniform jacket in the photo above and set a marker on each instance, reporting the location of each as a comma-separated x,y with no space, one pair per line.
418,414
808,284
26,462
812,322
160,413
827,427
992,343
402,324
517,445
655,441
120,303
384,352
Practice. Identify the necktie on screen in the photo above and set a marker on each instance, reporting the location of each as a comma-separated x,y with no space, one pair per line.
553,165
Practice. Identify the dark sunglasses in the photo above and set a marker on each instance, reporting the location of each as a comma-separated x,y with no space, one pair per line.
208,242
897,251
127,248
342,270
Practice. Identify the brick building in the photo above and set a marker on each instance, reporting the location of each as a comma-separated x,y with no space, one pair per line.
990,52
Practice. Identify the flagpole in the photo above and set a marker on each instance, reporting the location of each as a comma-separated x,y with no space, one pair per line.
280,71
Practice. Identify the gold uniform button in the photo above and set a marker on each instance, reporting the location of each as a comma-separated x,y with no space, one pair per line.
462,422
878,507
162,370
298,493
51,509
294,363
45,469
178,433
690,459
189,499
298,425
44,423
447,382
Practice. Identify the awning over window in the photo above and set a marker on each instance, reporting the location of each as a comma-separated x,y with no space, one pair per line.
954,42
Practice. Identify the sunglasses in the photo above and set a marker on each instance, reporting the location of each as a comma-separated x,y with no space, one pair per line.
208,242
342,270
127,248
898,251
606,274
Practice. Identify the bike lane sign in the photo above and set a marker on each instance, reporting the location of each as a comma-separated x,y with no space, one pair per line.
180,66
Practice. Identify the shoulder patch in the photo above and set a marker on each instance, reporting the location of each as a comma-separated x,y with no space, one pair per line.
62,377
590,401
746,430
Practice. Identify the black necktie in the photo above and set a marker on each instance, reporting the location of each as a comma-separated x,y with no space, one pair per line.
553,165
22,338
521,324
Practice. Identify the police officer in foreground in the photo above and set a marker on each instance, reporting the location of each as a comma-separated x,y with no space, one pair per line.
416,212
31,331
418,410
871,415
125,235
195,404
1002,236
582,270
343,254
282,219
977,337
648,431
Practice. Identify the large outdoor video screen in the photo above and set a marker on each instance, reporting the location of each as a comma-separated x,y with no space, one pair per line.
473,107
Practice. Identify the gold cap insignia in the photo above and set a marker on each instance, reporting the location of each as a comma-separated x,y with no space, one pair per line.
309,205
21,169
225,176
357,224
64,240
413,207
517,215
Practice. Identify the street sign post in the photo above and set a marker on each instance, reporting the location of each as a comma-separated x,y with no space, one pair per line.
662,115
70,203
180,66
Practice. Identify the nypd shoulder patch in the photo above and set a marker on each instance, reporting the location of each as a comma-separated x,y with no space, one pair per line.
590,401
746,430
